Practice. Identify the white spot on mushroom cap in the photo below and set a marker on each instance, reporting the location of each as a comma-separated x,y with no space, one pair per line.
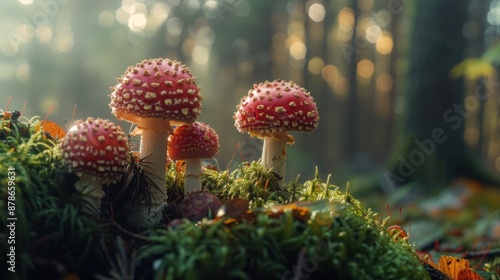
150,95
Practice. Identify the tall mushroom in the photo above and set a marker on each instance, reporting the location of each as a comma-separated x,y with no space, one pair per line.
270,110
96,150
192,142
153,94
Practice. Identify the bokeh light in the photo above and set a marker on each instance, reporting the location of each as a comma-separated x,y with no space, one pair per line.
316,12
188,46
23,72
26,2
384,44
161,11
210,9
298,50
44,33
384,82
106,19
205,35
493,16
138,8
174,26
346,19
122,15
315,65
365,68
335,80
200,54
373,33
137,22
63,44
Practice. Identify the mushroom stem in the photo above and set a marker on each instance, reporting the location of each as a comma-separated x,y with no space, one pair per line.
193,175
274,156
92,194
153,150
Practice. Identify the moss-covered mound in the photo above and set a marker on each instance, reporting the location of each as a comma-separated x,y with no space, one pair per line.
48,236
332,244
308,230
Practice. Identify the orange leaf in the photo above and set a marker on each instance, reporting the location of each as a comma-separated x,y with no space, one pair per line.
452,265
468,274
53,129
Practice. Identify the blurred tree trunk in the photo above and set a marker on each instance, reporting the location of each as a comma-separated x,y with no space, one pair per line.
478,10
351,127
395,31
431,150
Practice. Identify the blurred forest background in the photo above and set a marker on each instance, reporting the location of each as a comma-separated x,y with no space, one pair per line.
354,56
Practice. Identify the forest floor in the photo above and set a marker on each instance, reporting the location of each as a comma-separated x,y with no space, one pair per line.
462,220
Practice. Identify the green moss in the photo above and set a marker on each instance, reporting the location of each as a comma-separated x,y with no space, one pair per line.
249,181
329,246
333,236
52,235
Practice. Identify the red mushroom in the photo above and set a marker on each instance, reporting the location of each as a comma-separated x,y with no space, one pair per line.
154,94
96,150
192,142
270,110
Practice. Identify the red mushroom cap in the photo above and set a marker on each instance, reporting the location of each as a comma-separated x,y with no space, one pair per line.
276,106
97,148
156,89
189,141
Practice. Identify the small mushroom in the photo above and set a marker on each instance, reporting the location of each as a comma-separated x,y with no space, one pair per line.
96,150
198,205
270,110
154,94
192,143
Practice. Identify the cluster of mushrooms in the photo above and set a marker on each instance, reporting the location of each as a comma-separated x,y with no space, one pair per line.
163,99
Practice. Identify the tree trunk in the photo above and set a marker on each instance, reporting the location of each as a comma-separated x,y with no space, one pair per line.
351,126
431,150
